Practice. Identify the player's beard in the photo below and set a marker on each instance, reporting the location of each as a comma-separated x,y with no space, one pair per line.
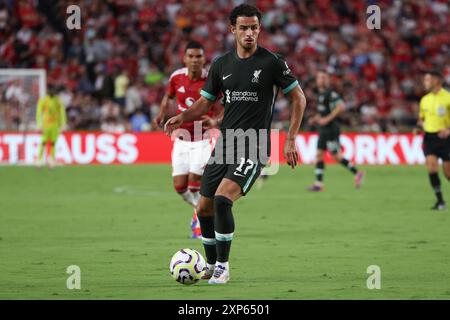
248,46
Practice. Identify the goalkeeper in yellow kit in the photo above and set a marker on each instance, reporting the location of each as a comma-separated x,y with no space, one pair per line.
50,119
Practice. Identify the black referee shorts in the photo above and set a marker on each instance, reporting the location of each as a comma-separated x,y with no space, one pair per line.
433,145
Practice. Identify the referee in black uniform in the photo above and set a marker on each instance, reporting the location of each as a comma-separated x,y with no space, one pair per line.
249,78
434,119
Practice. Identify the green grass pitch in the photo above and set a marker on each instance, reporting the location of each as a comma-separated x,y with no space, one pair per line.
121,225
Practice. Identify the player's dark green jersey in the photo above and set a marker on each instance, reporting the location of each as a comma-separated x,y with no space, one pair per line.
327,100
249,87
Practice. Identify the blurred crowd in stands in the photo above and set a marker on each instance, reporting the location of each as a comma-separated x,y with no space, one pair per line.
112,73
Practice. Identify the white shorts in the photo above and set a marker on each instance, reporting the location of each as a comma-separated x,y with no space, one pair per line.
190,156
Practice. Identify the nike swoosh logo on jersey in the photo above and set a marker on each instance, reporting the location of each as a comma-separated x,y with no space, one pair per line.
238,174
224,77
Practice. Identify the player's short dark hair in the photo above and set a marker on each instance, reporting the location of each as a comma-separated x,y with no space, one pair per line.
244,10
435,73
52,88
194,45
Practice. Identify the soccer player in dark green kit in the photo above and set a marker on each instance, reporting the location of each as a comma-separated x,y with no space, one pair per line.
329,106
248,77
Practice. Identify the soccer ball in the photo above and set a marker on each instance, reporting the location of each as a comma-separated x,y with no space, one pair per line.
187,266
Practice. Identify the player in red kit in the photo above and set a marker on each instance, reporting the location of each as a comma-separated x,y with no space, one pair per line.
190,151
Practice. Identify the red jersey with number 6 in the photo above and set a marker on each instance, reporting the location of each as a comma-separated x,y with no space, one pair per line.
187,91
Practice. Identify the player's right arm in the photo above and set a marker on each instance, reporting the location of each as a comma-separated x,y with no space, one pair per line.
208,96
421,119
216,120
198,109
165,103
159,119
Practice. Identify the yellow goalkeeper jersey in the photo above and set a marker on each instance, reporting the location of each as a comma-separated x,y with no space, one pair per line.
435,111
50,112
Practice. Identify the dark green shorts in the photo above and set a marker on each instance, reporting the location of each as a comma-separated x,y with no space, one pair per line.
244,173
329,140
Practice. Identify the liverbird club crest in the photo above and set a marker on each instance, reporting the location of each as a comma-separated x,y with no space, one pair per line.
256,74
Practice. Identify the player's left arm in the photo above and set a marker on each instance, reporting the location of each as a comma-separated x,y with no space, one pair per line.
289,85
298,106
445,133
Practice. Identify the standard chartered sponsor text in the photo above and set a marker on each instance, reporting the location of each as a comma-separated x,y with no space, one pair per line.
244,96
